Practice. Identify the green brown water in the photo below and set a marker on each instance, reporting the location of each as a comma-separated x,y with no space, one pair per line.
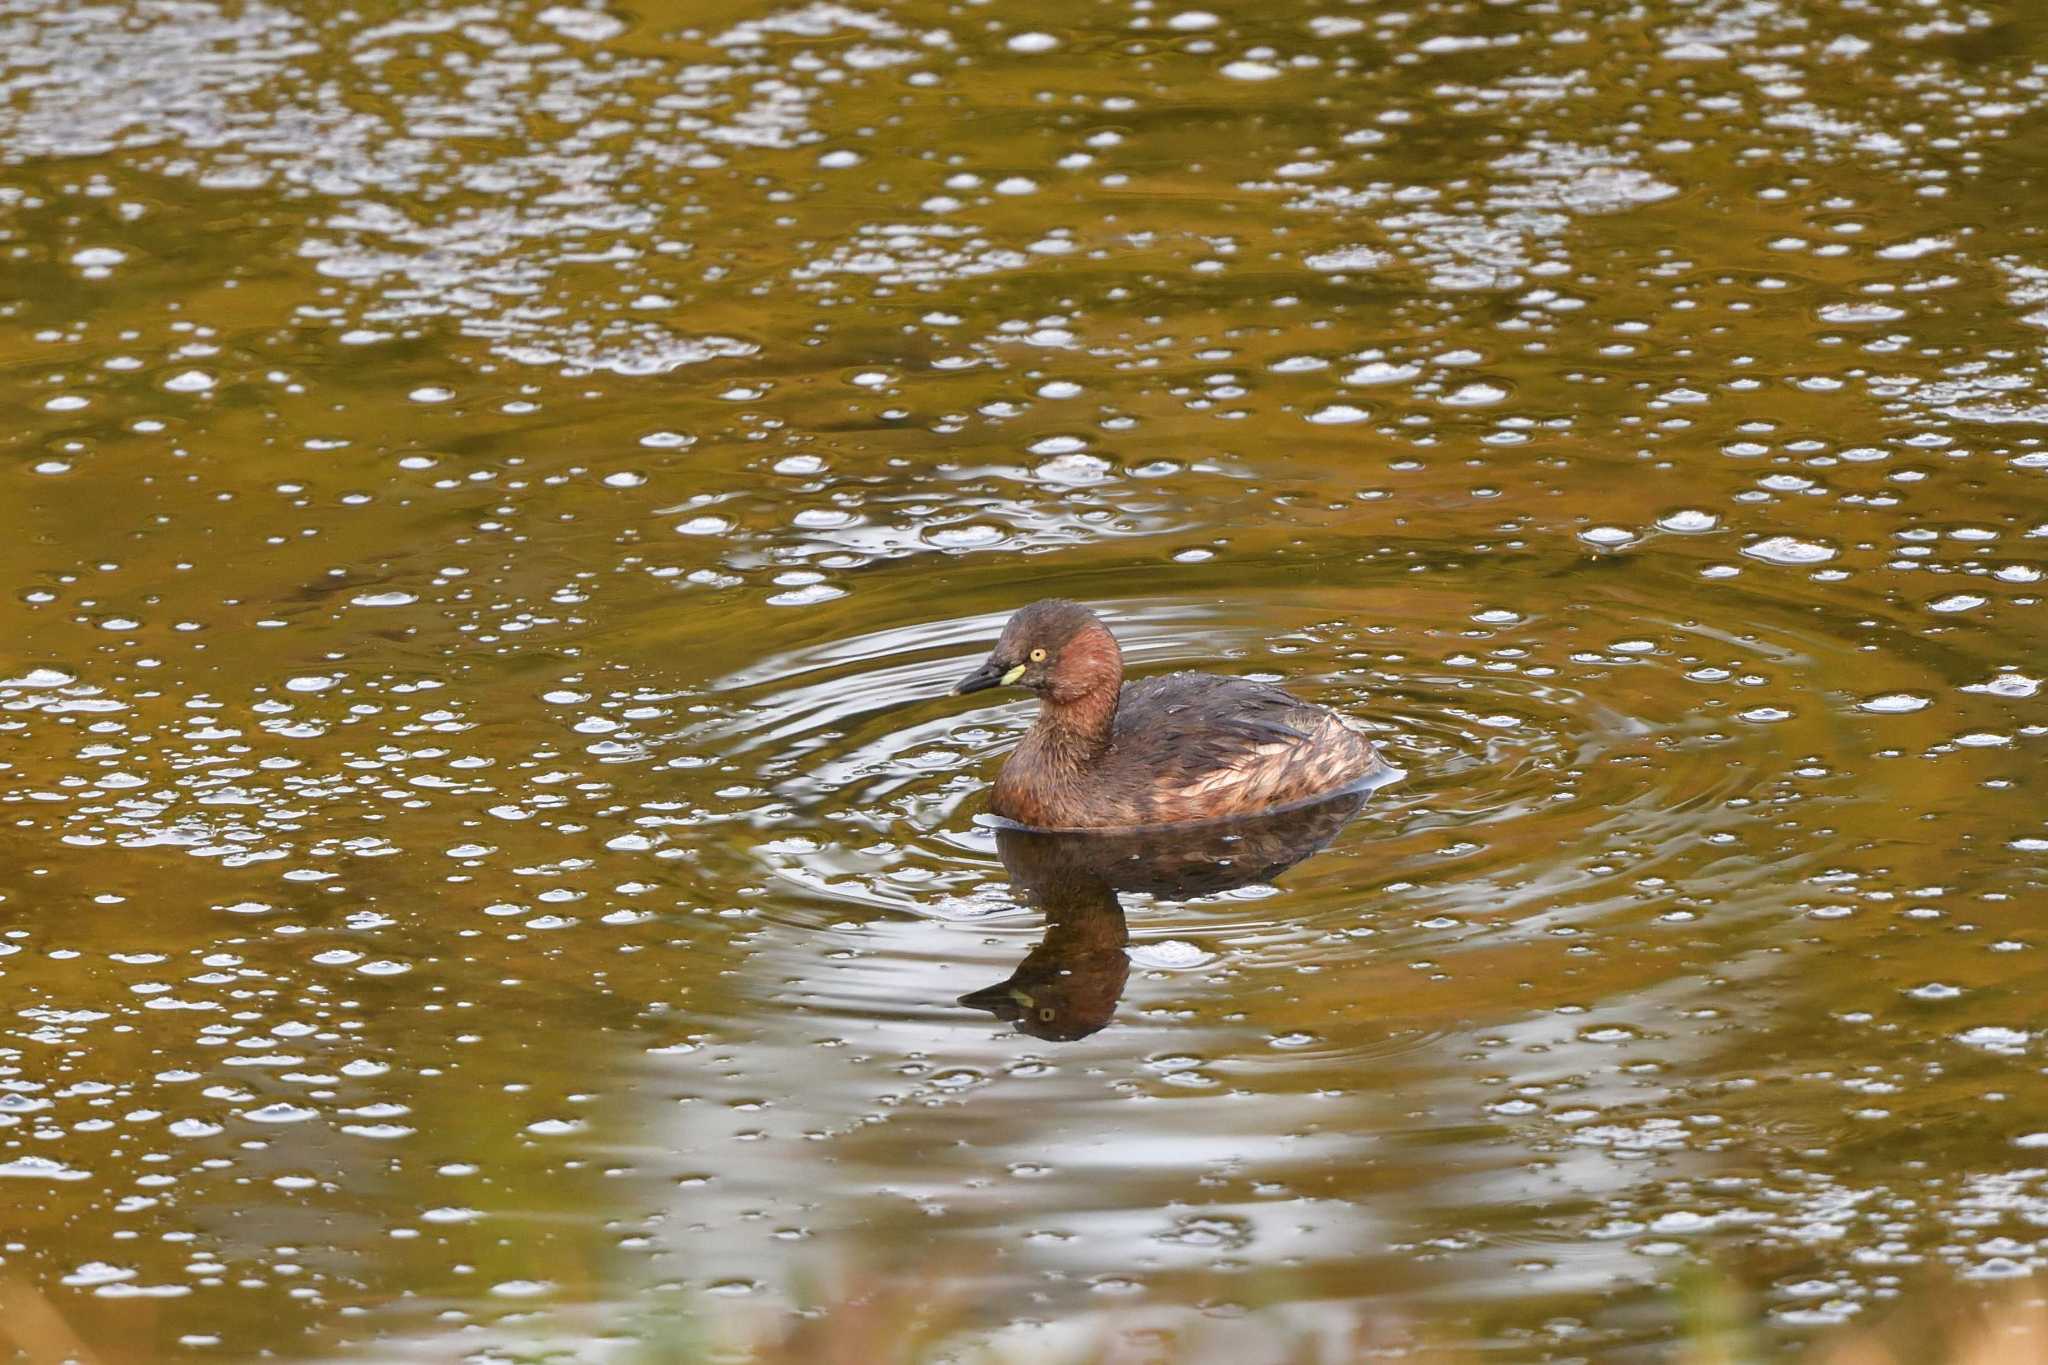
496,496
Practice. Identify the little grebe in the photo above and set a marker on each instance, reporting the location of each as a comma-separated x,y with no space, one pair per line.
1167,750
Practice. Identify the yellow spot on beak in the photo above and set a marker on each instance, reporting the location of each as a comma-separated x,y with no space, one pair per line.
1012,676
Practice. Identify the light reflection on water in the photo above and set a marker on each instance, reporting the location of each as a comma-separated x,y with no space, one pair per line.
499,498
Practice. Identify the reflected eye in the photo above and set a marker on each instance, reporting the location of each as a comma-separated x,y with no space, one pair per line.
1038,656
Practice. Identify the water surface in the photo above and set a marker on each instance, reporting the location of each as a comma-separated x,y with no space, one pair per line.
498,494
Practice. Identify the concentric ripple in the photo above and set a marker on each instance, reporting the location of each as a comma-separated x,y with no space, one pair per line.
1555,767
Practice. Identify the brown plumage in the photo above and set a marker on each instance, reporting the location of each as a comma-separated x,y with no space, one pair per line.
1162,751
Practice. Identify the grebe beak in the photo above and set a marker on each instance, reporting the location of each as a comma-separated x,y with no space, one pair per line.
990,674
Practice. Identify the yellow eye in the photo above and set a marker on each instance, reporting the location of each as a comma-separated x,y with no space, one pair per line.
1038,656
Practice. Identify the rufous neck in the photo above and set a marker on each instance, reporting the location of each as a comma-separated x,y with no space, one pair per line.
1080,704
1079,728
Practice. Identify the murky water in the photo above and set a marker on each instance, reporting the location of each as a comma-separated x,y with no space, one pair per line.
497,495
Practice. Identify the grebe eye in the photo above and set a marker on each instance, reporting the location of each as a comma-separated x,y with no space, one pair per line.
1038,656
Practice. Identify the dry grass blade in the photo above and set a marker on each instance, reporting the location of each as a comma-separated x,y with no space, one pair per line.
37,1330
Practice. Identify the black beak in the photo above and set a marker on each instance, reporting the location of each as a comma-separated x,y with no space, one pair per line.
990,674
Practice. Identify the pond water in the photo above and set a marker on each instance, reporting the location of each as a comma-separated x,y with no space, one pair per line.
497,496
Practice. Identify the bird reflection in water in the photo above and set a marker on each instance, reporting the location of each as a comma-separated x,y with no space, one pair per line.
1068,986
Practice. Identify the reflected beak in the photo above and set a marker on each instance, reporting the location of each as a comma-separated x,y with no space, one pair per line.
990,674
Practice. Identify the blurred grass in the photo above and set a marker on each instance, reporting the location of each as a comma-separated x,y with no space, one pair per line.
935,1320
920,1322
